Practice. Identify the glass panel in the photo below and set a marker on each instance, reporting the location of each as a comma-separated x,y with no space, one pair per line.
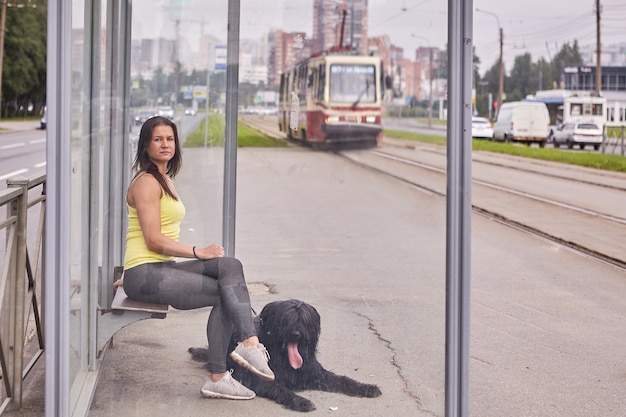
178,60
88,137
310,225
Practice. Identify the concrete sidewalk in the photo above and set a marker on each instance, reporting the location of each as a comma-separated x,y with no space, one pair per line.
314,227
301,233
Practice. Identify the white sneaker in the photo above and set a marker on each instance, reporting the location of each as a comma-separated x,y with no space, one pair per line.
255,359
227,387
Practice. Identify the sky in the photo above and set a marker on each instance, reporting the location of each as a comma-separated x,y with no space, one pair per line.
539,27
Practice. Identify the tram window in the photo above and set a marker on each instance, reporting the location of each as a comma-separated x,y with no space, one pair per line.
352,83
281,90
321,82
596,109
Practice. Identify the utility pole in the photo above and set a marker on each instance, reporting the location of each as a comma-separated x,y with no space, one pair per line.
430,86
500,63
430,79
501,72
598,51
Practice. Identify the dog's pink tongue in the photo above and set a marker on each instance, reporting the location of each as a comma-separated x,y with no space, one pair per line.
295,360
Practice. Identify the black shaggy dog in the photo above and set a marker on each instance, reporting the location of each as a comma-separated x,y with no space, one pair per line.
290,331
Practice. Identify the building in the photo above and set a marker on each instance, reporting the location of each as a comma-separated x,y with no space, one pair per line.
328,23
285,50
611,56
584,79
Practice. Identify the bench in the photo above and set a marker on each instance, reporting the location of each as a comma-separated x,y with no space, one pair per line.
125,311
122,303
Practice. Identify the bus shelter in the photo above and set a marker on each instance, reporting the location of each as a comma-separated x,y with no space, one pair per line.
99,55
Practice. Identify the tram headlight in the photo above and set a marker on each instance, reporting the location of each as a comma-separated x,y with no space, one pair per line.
332,119
370,119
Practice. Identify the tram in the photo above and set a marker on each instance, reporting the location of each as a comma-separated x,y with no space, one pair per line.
332,98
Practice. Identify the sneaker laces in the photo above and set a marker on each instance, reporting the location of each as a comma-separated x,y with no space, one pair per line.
228,377
263,351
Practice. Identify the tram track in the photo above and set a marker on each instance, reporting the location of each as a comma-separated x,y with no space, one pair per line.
614,182
588,232
583,247
517,192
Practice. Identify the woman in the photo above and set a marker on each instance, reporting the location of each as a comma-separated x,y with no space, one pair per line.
151,273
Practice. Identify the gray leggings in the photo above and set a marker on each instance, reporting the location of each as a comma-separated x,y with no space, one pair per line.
193,284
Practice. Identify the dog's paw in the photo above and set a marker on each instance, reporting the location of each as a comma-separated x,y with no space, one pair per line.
199,354
301,404
371,391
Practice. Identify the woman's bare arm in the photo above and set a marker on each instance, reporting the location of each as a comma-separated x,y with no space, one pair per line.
144,195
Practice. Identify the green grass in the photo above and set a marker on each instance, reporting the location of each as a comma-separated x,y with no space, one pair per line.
433,120
418,137
21,118
245,137
581,158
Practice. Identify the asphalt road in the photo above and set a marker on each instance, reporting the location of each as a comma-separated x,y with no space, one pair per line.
22,152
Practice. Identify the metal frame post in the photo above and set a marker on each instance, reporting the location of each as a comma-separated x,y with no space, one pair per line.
57,214
19,209
458,207
230,142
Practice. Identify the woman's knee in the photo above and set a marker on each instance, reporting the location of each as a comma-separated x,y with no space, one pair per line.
228,264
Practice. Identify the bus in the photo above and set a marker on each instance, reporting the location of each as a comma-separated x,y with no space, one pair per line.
334,97
581,109
591,109
566,106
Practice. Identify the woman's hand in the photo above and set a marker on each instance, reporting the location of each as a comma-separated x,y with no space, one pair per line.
210,252
118,283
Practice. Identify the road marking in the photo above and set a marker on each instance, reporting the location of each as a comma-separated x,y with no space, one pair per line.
15,145
11,174
32,142
41,164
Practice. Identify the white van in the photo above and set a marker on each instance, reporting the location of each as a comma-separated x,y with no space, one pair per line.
522,121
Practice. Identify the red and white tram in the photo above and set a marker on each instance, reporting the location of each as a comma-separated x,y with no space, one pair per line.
332,98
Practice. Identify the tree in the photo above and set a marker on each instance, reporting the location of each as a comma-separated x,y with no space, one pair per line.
24,61
544,74
519,83
486,85
568,56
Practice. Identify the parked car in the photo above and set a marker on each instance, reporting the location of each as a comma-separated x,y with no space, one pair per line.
580,134
522,121
166,112
142,115
44,119
481,128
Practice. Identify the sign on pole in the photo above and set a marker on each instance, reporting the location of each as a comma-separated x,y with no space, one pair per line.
220,58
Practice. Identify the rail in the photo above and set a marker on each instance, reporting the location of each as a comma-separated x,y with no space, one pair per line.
21,285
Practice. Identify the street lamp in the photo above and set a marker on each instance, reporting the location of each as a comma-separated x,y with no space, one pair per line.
501,68
430,79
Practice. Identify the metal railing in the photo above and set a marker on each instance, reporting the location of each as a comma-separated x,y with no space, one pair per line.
21,285
615,142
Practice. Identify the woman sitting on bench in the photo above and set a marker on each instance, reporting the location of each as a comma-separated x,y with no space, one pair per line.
151,273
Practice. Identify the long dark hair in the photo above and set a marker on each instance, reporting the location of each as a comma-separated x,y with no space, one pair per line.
143,163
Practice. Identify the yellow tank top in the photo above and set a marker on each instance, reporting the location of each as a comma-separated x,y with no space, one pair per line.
137,253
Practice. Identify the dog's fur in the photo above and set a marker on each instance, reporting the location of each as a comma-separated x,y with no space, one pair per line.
292,323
